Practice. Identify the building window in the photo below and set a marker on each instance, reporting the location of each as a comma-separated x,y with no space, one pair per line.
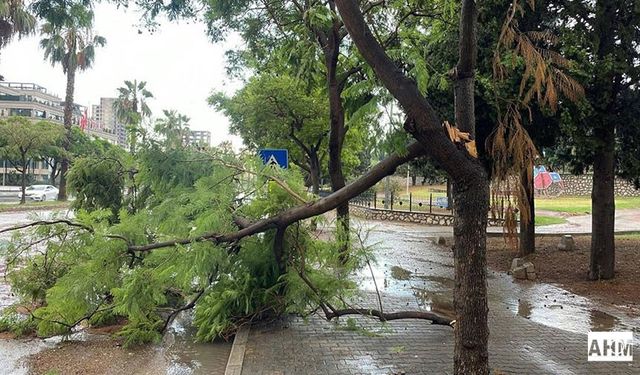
20,112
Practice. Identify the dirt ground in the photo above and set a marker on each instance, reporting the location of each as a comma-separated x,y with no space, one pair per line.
569,268
95,357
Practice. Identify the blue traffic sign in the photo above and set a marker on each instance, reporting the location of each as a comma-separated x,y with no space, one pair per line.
275,157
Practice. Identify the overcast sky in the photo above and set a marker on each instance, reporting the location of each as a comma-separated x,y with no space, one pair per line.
181,67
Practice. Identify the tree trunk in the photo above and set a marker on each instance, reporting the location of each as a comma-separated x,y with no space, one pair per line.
314,172
470,206
471,186
471,197
336,136
24,179
603,98
387,192
66,140
54,172
413,180
527,227
602,262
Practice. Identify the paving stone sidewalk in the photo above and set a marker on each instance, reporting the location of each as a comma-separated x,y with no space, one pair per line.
535,328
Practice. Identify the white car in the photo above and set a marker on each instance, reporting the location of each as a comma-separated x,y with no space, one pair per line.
40,193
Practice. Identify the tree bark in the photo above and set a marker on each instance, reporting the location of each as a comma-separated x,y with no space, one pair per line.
278,249
24,179
470,204
314,172
66,140
603,97
54,172
471,200
527,227
336,134
602,263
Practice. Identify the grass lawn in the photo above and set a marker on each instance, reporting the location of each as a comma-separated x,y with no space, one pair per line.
629,236
32,206
549,220
581,205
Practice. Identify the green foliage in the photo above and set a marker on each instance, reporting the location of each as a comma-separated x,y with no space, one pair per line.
15,20
18,324
22,138
97,183
88,274
69,40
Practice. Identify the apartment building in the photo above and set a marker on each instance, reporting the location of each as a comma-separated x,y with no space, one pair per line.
29,100
198,138
105,117
36,102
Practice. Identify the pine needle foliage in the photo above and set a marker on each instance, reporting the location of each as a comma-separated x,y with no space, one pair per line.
85,274
542,80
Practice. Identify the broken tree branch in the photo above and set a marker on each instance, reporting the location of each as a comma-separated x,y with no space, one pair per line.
320,206
424,315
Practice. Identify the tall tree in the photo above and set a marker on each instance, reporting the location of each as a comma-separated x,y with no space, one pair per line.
131,109
174,127
470,180
616,32
15,20
70,43
603,38
276,111
23,141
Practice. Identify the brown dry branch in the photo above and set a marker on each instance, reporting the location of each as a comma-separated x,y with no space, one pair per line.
510,145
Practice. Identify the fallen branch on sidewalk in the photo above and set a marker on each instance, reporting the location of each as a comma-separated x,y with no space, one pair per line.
424,315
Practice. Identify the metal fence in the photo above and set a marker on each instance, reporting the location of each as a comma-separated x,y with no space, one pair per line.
434,204
437,204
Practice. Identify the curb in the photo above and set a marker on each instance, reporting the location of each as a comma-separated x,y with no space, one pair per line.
236,357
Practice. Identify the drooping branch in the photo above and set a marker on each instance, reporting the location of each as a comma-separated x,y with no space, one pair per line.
290,216
47,222
188,306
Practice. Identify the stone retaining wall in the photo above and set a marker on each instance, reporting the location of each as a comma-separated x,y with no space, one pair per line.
409,217
582,184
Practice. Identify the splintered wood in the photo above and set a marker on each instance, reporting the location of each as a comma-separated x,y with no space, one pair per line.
457,136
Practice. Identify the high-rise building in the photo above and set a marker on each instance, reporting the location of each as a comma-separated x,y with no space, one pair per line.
198,138
104,116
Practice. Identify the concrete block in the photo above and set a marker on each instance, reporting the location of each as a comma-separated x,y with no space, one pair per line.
566,243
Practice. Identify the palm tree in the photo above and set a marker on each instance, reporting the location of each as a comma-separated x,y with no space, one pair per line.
15,20
131,108
174,127
71,44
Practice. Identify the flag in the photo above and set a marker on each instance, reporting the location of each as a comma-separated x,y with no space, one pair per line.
83,120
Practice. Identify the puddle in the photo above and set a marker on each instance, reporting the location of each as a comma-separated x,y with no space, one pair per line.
601,321
438,302
400,273
555,307
184,356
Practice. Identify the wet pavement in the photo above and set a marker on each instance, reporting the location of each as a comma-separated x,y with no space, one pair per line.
535,328
625,221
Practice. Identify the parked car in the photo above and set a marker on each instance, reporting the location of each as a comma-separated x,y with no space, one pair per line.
40,193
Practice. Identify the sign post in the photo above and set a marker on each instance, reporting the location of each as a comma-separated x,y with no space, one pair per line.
275,157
